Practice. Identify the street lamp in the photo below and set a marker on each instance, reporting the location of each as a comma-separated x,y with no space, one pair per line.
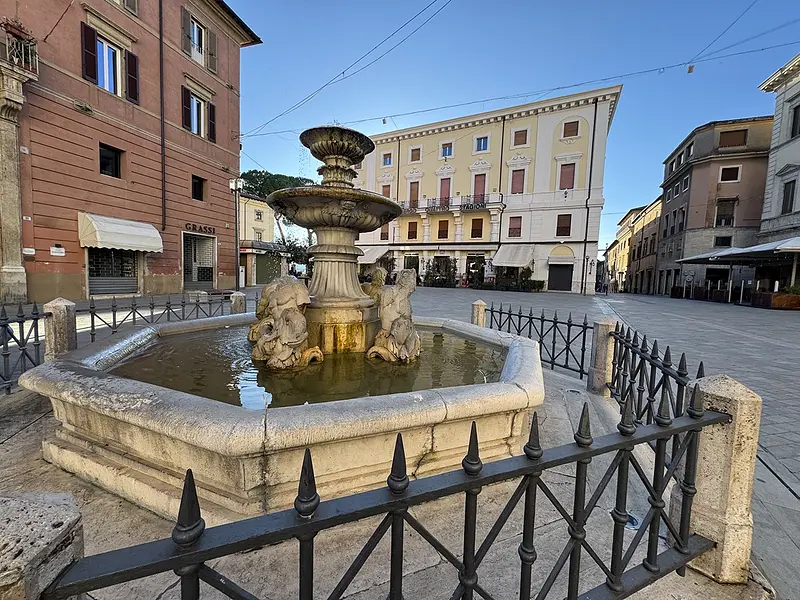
236,186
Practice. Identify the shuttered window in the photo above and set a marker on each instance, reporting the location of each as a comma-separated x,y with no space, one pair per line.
479,187
416,154
212,123
518,181
385,231
725,213
186,34
212,51
515,227
796,121
386,190
477,228
132,77
444,229
186,108
521,137
566,180
564,225
444,188
570,129
729,139
412,230
89,52
788,197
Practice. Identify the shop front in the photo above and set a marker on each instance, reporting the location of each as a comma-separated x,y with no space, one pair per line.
199,257
509,262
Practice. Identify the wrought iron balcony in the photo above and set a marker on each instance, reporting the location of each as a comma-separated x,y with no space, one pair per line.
18,47
477,202
438,205
410,207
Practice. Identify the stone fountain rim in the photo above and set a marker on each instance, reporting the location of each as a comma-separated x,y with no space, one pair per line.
334,193
79,378
365,143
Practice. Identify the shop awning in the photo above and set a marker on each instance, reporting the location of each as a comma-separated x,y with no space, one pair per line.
372,254
513,255
751,254
96,231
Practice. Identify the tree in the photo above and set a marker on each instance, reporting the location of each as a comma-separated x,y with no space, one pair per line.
298,251
263,183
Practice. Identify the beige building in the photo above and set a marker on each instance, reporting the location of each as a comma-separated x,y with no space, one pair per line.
513,188
261,259
618,253
643,260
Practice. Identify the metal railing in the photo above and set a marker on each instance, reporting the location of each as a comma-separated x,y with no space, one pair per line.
191,546
438,205
562,343
17,49
477,202
20,344
410,207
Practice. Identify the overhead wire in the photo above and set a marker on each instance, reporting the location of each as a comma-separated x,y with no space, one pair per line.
724,31
752,37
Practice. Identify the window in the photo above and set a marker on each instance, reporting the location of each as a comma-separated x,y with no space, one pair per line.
110,161
669,194
672,167
412,230
444,229
731,139
652,244
685,183
413,194
198,41
725,212
788,197
198,185
521,137
677,190
674,221
482,144
517,181
566,180
447,150
385,231
680,159
477,228
515,227
729,174
386,159
197,35
564,225
416,154
723,241
386,190
258,235
107,66
259,214
570,129
690,150
199,116
666,225
681,219
796,121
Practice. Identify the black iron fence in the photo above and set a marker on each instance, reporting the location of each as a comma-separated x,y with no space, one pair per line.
562,343
21,337
192,546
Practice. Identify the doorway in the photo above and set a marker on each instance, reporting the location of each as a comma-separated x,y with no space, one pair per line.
199,262
559,278
112,271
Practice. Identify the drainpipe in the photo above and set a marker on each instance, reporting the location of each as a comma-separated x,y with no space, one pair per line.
500,182
163,128
588,196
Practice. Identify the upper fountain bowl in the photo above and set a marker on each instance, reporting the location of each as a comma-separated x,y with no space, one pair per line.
331,141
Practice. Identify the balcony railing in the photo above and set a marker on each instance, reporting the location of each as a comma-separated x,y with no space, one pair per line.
410,207
477,202
18,48
438,205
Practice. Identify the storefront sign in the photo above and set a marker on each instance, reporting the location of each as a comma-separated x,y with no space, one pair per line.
200,228
57,251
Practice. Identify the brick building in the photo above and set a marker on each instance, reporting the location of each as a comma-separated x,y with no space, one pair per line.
118,141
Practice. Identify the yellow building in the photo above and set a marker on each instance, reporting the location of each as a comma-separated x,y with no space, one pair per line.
618,253
513,188
260,259
643,260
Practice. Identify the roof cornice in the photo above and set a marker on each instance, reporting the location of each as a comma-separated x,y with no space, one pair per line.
782,76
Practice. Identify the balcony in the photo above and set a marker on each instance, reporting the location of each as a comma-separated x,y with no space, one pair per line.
468,203
18,47
438,205
410,208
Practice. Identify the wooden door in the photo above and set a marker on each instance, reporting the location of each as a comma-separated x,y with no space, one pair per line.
444,189
480,187
413,194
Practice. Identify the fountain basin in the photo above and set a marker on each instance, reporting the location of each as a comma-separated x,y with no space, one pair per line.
136,439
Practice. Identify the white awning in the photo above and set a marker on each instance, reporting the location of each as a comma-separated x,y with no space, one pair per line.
751,254
372,254
96,231
513,255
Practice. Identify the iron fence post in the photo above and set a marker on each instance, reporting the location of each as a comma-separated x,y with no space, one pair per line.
36,342
569,340
183,307
662,419
688,487
651,391
113,314
619,514
133,310
188,529
152,308
583,438
169,308
527,551
553,344
306,505
6,352
92,310
583,345
472,465
398,483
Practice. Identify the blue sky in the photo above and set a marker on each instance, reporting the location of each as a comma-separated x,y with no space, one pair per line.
476,49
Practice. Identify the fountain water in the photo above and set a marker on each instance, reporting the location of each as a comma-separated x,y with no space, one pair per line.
341,317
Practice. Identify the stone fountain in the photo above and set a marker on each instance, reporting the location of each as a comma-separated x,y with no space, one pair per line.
340,317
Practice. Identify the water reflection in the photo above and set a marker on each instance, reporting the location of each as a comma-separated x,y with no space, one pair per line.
216,364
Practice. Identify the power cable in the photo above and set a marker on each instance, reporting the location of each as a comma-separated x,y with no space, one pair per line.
554,89
342,74
752,37
724,31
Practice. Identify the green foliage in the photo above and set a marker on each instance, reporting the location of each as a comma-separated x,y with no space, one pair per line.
263,183
792,289
526,273
298,251
538,285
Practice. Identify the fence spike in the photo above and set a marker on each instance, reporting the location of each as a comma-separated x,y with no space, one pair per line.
644,343
585,320
530,314
616,327
533,449
583,437
3,314
667,360
635,339
569,317
695,409
35,310
626,425
492,307
20,312
663,416
654,350
398,477
682,370
91,303
701,371
472,461
190,524
628,334
307,497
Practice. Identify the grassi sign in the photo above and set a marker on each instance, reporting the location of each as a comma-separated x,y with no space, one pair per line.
200,228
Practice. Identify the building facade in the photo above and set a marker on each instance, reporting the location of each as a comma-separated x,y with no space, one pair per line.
780,217
261,258
122,143
643,263
713,193
515,188
619,252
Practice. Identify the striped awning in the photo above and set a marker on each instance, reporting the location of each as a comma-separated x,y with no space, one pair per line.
97,231
372,254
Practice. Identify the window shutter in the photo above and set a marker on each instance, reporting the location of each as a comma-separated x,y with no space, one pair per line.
480,185
570,129
518,181
132,6
132,77
186,29
89,52
212,51
521,137
414,193
212,123
186,103
567,179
